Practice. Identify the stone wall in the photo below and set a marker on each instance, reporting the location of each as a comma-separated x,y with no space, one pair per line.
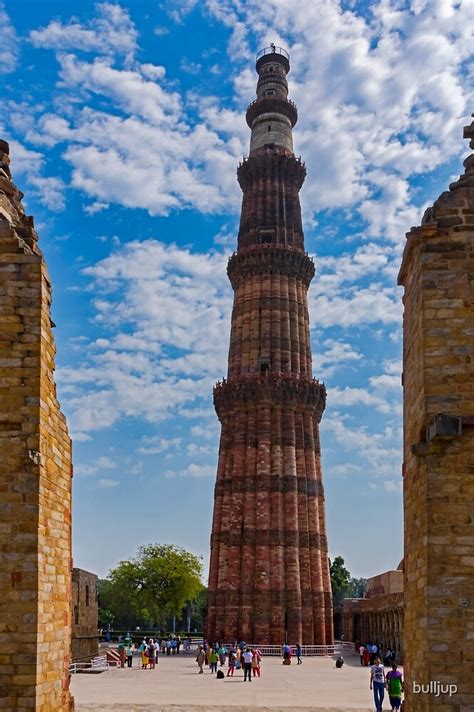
375,620
85,614
438,377
35,476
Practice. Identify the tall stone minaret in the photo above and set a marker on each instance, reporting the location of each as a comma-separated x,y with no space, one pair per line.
269,577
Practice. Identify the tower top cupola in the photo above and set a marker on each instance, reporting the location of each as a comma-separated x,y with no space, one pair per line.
271,116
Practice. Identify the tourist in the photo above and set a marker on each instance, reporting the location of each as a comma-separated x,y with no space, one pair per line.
256,658
232,662
298,654
366,655
286,649
151,653
374,653
238,659
222,652
361,653
247,658
339,661
174,645
144,654
168,646
387,657
130,654
178,644
213,658
394,682
200,659
377,682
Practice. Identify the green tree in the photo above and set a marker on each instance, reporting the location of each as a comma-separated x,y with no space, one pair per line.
357,588
340,581
152,587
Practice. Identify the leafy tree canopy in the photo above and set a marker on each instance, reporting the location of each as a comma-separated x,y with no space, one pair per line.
340,580
152,587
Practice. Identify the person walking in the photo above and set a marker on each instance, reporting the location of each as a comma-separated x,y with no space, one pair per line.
201,657
232,661
213,658
377,683
394,682
256,657
361,653
151,653
247,658
130,654
298,654
143,649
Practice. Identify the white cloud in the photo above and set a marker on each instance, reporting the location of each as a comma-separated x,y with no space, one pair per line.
336,353
107,483
28,166
194,470
88,469
155,444
380,453
9,48
112,32
163,311
381,97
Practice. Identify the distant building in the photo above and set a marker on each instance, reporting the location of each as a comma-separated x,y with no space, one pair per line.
85,615
377,618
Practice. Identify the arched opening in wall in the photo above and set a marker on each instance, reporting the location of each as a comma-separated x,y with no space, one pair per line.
264,365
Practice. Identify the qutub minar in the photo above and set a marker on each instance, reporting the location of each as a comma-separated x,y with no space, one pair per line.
269,575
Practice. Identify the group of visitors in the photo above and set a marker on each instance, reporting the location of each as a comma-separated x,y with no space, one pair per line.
370,651
392,681
149,650
287,652
240,657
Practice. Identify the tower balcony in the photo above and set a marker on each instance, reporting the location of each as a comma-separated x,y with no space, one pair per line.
273,54
269,164
272,388
270,258
271,105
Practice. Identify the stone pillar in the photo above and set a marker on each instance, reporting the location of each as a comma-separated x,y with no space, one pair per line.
437,274
35,476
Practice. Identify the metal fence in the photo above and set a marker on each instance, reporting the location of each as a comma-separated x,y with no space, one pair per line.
97,663
338,648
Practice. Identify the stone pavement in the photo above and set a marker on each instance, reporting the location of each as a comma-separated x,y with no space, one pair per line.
176,686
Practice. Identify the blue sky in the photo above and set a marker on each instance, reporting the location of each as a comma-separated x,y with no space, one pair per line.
126,124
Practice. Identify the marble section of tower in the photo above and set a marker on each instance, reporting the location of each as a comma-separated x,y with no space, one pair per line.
269,577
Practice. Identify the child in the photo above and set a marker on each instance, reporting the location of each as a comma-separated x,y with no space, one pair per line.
232,661
298,654
394,681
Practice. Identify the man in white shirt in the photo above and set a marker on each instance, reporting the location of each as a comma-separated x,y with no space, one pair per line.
247,658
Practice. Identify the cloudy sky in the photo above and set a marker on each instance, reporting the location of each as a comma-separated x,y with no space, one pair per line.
126,124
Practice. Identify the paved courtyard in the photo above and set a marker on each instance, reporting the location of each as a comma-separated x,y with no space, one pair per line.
176,685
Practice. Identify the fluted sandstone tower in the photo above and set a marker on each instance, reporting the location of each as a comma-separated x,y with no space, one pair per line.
269,576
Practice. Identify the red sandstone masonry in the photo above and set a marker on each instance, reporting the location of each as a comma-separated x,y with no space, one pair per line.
269,575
